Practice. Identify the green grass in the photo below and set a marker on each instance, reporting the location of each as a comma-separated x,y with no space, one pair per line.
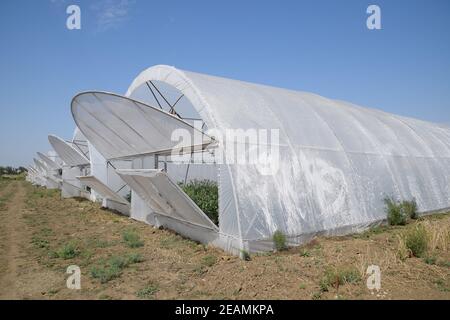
98,243
113,267
205,194
132,239
134,258
148,292
68,251
335,278
40,243
316,295
305,253
441,285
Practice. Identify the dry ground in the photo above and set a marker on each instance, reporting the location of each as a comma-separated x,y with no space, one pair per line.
40,235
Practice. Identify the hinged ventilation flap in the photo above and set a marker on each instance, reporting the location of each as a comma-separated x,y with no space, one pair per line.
106,192
67,153
165,197
49,162
121,127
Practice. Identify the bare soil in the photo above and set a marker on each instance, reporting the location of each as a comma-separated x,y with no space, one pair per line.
37,226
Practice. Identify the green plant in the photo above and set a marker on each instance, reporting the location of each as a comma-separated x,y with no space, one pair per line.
441,285
113,267
395,212
135,258
335,278
305,253
40,243
205,195
105,273
148,292
68,251
245,255
279,240
410,208
316,296
199,270
416,240
132,239
430,260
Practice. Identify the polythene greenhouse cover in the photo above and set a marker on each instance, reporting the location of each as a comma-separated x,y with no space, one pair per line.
67,153
337,161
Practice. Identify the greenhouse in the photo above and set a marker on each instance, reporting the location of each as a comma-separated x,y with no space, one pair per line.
336,161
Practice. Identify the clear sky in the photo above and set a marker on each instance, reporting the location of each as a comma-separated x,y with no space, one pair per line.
318,46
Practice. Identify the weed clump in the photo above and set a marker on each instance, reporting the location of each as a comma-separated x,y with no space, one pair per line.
398,213
416,240
279,240
148,292
113,267
68,251
395,214
410,209
335,278
132,239
245,255
40,243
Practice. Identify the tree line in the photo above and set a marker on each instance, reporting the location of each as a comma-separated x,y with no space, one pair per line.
12,170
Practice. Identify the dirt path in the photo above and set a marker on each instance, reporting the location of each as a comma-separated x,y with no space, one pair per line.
12,235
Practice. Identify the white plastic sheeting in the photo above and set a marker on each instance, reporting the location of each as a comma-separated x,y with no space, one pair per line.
337,161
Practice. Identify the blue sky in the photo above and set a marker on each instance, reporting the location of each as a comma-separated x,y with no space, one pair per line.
318,46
